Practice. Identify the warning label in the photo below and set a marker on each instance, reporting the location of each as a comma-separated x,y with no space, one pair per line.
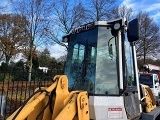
114,112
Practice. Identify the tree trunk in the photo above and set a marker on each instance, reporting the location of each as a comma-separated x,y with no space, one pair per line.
144,62
7,59
30,73
30,62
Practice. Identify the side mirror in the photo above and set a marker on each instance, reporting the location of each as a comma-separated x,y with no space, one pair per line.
133,30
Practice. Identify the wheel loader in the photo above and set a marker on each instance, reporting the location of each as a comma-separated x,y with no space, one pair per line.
101,79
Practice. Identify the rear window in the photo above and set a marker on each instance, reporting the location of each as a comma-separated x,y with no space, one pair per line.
146,80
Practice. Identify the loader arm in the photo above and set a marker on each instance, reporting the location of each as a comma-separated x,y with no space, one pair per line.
54,102
78,104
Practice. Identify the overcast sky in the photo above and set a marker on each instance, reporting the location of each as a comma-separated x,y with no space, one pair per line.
151,6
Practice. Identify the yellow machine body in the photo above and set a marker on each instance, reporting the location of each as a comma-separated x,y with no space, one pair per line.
65,105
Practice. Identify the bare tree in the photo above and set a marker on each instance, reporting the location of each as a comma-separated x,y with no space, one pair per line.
38,13
99,9
148,44
55,36
67,15
121,11
13,34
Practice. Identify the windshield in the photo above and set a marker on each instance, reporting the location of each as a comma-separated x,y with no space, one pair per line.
92,61
81,60
146,80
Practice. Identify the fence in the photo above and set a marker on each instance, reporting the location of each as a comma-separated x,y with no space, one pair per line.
15,88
